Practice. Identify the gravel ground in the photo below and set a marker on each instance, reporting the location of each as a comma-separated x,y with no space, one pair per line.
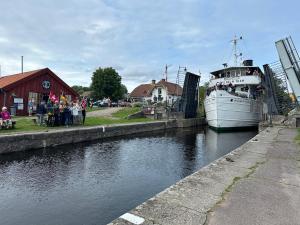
107,112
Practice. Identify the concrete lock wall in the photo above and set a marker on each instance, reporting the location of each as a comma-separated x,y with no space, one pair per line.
27,141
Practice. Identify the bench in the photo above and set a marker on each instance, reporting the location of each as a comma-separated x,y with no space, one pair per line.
13,125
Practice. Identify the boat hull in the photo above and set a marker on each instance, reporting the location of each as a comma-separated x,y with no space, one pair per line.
225,111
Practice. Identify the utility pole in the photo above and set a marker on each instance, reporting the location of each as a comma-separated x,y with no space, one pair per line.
22,59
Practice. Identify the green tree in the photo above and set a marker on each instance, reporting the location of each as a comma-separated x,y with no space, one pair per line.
80,89
283,100
124,90
202,94
106,82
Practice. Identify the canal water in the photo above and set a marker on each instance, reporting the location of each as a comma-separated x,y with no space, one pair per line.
94,183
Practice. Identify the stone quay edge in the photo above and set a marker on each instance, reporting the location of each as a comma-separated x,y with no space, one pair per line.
38,140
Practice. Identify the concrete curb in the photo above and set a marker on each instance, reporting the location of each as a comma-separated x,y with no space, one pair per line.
189,200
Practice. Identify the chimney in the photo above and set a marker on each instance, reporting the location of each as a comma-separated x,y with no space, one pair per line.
163,80
153,81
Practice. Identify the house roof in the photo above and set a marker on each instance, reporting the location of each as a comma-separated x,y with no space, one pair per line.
173,89
10,81
5,81
145,90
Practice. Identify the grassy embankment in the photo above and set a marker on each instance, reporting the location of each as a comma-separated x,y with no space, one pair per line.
117,117
297,138
88,109
26,124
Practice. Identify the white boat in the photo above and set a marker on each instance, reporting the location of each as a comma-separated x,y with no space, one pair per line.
234,96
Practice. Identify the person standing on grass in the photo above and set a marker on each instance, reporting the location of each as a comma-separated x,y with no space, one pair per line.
56,113
30,107
83,106
41,111
75,112
1,121
109,102
67,112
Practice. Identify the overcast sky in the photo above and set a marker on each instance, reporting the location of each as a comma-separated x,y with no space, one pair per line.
138,37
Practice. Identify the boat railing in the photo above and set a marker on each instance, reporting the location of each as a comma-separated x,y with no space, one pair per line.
232,91
236,76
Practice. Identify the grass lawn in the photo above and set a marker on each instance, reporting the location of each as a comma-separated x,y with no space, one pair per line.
93,121
297,138
88,109
26,124
118,117
123,113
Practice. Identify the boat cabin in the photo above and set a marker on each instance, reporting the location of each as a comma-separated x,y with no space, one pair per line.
229,72
237,75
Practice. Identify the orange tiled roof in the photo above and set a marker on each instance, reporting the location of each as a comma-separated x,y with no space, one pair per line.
173,89
10,79
143,90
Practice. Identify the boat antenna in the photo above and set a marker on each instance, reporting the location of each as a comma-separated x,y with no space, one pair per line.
236,55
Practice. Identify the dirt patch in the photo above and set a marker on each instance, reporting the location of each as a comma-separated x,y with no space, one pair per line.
107,112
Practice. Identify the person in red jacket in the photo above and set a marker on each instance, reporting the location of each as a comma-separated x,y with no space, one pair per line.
6,118
83,107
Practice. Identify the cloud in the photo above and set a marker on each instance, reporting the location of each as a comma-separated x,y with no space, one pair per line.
135,37
100,26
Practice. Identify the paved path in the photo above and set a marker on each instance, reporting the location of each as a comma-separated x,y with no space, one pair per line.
107,112
256,184
271,195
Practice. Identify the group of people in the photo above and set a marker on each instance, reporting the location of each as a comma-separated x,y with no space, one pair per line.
220,86
61,113
252,72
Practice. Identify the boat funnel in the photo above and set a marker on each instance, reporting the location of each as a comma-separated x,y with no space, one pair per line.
248,62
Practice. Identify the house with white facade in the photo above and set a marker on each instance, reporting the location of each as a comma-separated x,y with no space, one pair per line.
163,91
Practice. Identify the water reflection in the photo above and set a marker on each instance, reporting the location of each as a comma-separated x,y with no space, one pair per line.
93,183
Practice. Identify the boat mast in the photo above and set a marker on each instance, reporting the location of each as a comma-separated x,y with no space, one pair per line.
236,55
166,71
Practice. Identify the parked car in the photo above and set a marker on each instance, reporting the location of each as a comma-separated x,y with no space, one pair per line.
114,104
124,104
98,103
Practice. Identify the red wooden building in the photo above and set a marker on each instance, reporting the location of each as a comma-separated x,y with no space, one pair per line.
18,89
